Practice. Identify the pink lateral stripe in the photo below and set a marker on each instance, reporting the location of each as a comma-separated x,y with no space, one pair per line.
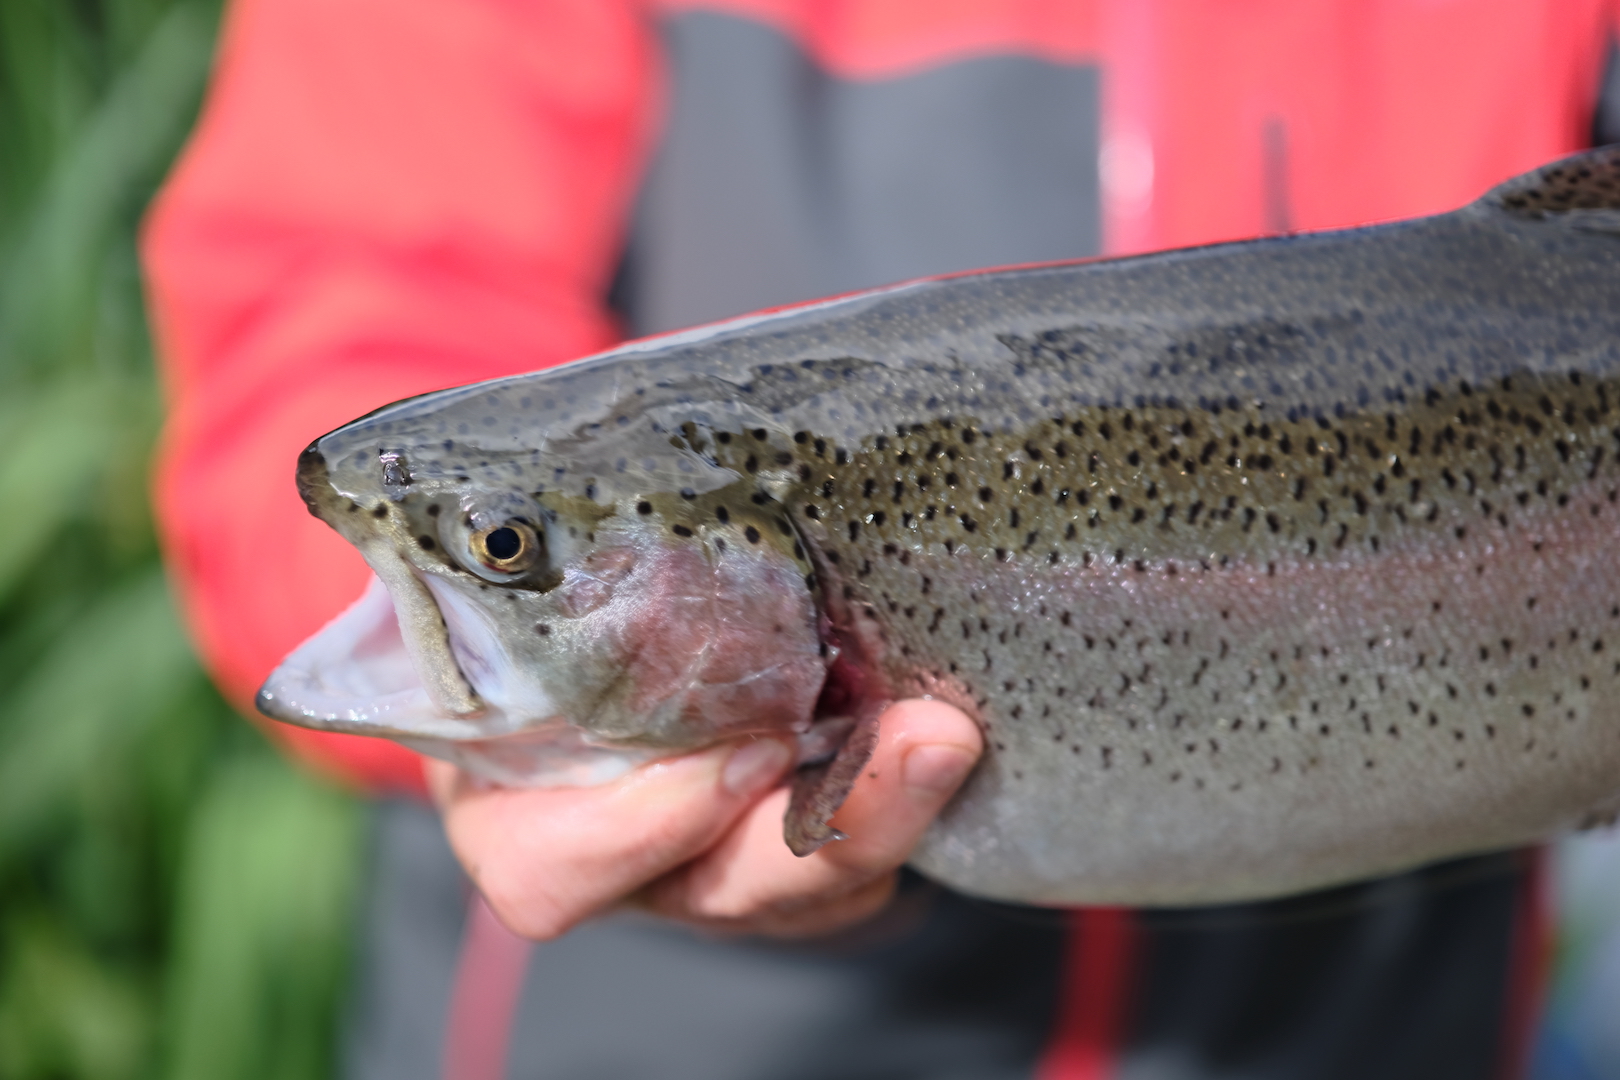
1094,1002
484,996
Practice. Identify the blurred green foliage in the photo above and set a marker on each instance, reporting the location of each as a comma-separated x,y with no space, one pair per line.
175,901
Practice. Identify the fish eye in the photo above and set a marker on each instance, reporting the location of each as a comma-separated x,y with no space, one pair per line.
510,548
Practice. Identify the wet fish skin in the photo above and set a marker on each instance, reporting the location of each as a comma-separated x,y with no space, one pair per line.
1263,566
716,637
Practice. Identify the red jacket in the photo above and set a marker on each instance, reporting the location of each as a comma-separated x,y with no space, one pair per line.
386,197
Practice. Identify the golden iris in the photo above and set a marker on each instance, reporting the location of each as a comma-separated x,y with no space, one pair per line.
510,548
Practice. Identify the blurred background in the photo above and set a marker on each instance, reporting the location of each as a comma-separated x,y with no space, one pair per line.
174,898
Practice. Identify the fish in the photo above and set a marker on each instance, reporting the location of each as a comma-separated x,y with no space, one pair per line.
1262,566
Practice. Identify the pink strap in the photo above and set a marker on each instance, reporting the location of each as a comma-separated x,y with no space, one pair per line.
489,982
1093,1005
1528,966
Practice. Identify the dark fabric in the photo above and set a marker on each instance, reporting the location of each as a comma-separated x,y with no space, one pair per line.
1400,978
1606,119
775,182
410,936
940,988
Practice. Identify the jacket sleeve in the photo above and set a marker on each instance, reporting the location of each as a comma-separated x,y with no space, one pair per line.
382,198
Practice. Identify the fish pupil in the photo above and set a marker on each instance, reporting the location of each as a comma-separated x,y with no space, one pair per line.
503,543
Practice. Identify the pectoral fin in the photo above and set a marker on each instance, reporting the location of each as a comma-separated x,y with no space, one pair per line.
819,789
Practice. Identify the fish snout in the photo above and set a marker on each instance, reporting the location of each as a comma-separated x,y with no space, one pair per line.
315,482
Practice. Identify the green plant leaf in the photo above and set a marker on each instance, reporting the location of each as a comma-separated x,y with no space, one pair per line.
62,1011
174,897
96,693
262,926
52,270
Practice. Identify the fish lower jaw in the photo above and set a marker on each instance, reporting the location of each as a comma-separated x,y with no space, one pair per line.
541,757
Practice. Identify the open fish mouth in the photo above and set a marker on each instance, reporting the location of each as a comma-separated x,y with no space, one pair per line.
358,676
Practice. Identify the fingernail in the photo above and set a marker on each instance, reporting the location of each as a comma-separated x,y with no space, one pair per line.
756,765
934,771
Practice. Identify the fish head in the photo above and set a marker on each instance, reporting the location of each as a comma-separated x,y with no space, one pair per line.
538,614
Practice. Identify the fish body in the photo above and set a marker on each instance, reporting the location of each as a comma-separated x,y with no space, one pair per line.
1262,566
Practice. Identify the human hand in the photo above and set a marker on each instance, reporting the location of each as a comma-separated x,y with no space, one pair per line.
698,838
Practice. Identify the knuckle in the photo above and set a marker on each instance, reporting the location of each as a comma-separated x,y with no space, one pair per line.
542,925
527,911
725,906
668,839
874,898
829,917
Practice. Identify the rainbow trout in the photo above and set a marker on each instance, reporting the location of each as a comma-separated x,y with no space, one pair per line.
1262,566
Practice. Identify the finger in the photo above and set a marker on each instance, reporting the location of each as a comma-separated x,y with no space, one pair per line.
548,858
925,750
813,917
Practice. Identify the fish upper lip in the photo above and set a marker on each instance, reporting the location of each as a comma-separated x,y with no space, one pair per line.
427,639
313,477
421,623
